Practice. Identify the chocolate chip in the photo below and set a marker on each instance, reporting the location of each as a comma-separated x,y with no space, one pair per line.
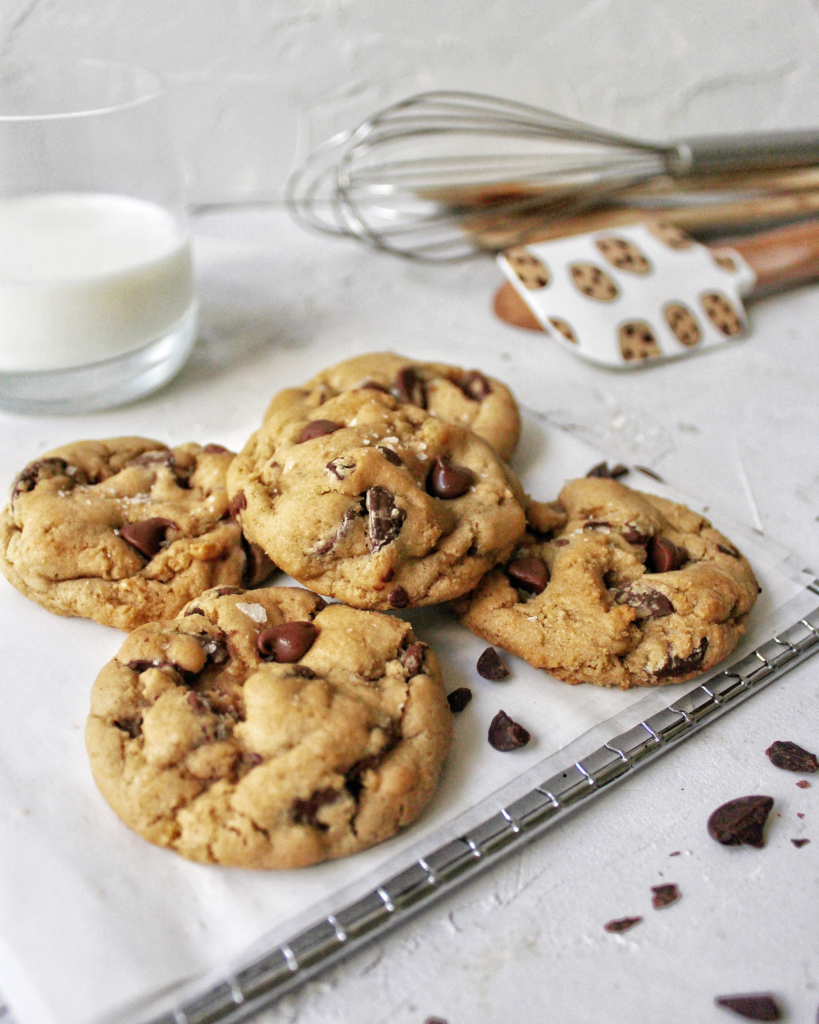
345,526
490,666
413,658
224,591
257,565
373,385
354,777
650,472
675,666
530,574
317,428
390,455
799,843
287,642
158,457
474,385
634,536
446,480
146,536
505,734
410,388
45,469
803,784
562,542
596,524
648,602
302,672
305,811
133,726
602,470
238,503
385,519
193,611
727,550
215,649
664,555
793,758
622,924
398,597
753,1006
458,699
341,467
741,821
215,449
664,895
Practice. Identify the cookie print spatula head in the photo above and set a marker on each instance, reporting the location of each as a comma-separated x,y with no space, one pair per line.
647,292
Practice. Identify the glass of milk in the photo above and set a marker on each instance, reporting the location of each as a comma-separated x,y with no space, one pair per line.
97,303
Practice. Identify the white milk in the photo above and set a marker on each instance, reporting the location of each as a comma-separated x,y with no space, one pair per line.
84,277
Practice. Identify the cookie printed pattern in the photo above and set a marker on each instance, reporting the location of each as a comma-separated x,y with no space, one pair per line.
124,530
530,270
374,501
593,282
466,397
683,323
624,255
633,590
722,314
562,327
265,730
637,341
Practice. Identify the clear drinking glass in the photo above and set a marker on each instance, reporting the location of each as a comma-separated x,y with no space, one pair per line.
97,303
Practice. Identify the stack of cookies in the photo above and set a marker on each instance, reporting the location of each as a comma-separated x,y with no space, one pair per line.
257,726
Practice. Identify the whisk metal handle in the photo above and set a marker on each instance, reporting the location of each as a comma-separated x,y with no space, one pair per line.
709,154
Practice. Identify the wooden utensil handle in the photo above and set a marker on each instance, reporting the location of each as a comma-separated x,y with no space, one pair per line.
782,258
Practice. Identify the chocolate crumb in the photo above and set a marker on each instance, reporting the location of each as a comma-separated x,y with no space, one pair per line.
491,666
622,924
741,821
792,758
676,853
753,1006
664,895
799,843
505,734
799,814
398,597
651,473
803,784
602,470
458,699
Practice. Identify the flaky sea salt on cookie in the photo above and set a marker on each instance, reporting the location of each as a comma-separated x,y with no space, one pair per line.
266,730
631,590
466,397
374,501
125,530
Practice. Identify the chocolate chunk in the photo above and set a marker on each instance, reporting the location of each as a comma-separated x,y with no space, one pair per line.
458,699
238,503
679,666
410,388
530,574
413,658
215,649
224,591
385,519
45,469
390,455
305,811
341,467
648,602
741,821
257,565
799,843
446,480
346,525
490,666
505,734
215,449
726,550
133,726
664,895
793,758
474,385
193,611
602,470
158,457
596,524
753,1006
398,597
317,428
354,778
621,924
803,784
146,536
634,536
302,672
664,555
373,385
287,642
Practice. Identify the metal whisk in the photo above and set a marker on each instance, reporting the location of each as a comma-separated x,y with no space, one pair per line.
439,175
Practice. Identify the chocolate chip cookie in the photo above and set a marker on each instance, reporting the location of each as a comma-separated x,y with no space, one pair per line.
373,501
262,729
633,590
466,397
637,341
125,530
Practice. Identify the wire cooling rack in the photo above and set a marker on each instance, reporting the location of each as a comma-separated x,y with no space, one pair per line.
287,965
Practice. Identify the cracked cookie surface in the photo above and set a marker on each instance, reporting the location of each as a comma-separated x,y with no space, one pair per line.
263,729
631,590
466,397
124,530
373,501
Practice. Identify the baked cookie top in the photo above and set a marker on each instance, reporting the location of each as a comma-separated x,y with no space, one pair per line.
466,397
124,530
632,590
264,730
374,501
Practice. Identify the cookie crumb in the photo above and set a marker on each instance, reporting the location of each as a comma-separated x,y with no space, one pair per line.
664,895
621,924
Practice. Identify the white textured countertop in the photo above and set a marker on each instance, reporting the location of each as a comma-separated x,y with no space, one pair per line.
736,428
